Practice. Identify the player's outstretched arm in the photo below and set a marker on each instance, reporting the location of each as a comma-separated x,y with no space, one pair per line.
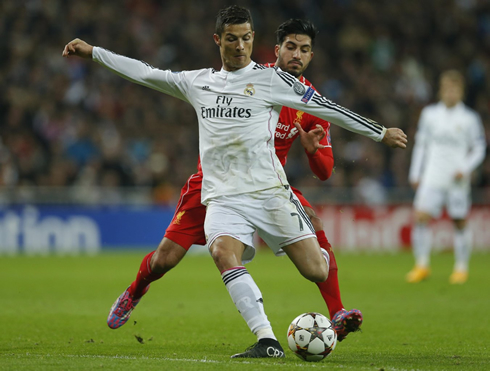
311,140
395,138
131,69
286,91
78,48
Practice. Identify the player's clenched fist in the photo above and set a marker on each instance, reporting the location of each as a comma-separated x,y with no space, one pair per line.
395,138
79,48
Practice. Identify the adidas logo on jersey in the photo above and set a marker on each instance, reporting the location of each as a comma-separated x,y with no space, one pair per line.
206,88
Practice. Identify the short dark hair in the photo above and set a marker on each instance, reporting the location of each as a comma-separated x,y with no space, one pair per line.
296,27
232,15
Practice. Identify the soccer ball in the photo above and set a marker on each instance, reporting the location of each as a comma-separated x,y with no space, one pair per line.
311,336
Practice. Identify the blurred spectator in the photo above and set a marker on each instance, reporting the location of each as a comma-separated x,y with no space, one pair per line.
71,123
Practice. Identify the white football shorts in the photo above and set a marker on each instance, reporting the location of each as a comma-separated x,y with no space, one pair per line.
276,214
431,200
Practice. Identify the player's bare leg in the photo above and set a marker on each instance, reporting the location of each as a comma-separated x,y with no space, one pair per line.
462,252
227,255
153,267
421,242
308,258
167,256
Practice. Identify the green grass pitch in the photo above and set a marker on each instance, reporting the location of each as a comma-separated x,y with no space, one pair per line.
53,315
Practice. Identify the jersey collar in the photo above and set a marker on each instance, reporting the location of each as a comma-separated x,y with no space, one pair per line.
241,71
458,106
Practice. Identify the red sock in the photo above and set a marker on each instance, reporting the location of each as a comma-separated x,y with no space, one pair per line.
143,278
330,288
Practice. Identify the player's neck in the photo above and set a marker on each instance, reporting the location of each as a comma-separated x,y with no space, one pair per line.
276,63
451,104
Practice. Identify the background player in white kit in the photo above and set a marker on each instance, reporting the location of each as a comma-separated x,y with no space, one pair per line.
244,185
449,145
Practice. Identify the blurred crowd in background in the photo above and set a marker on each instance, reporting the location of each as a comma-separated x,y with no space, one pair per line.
73,123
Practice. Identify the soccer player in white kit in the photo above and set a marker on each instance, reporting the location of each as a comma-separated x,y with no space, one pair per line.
449,145
244,185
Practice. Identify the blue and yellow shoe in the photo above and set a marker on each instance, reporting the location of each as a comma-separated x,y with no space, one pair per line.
122,308
345,322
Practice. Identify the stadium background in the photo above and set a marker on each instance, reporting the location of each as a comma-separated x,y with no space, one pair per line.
90,160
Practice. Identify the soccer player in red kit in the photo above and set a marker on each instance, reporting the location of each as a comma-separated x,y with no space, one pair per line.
295,40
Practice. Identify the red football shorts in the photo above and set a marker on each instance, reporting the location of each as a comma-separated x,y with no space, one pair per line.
187,225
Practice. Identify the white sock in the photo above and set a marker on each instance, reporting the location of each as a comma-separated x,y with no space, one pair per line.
462,249
248,300
422,244
265,333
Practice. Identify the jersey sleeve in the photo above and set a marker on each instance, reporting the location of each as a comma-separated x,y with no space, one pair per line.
288,91
478,146
419,148
168,82
321,163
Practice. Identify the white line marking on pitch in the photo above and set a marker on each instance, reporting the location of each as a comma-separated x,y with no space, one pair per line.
204,360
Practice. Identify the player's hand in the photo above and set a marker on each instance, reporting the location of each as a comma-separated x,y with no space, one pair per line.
311,140
414,185
395,138
78,48
458,176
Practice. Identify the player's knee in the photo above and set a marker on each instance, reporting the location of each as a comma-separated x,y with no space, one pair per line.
319,273
460,224
320,276
218,252
162,263
223,255
422,217
166,257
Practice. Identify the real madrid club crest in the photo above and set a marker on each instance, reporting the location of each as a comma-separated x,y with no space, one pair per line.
249,90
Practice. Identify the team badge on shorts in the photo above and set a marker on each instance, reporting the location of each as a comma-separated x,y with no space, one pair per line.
299,88
249,90
178,217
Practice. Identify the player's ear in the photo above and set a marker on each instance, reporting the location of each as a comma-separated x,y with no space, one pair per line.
276,51
312,54
217,39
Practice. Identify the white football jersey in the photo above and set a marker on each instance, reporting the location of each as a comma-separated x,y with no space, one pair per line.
237,113
448,140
